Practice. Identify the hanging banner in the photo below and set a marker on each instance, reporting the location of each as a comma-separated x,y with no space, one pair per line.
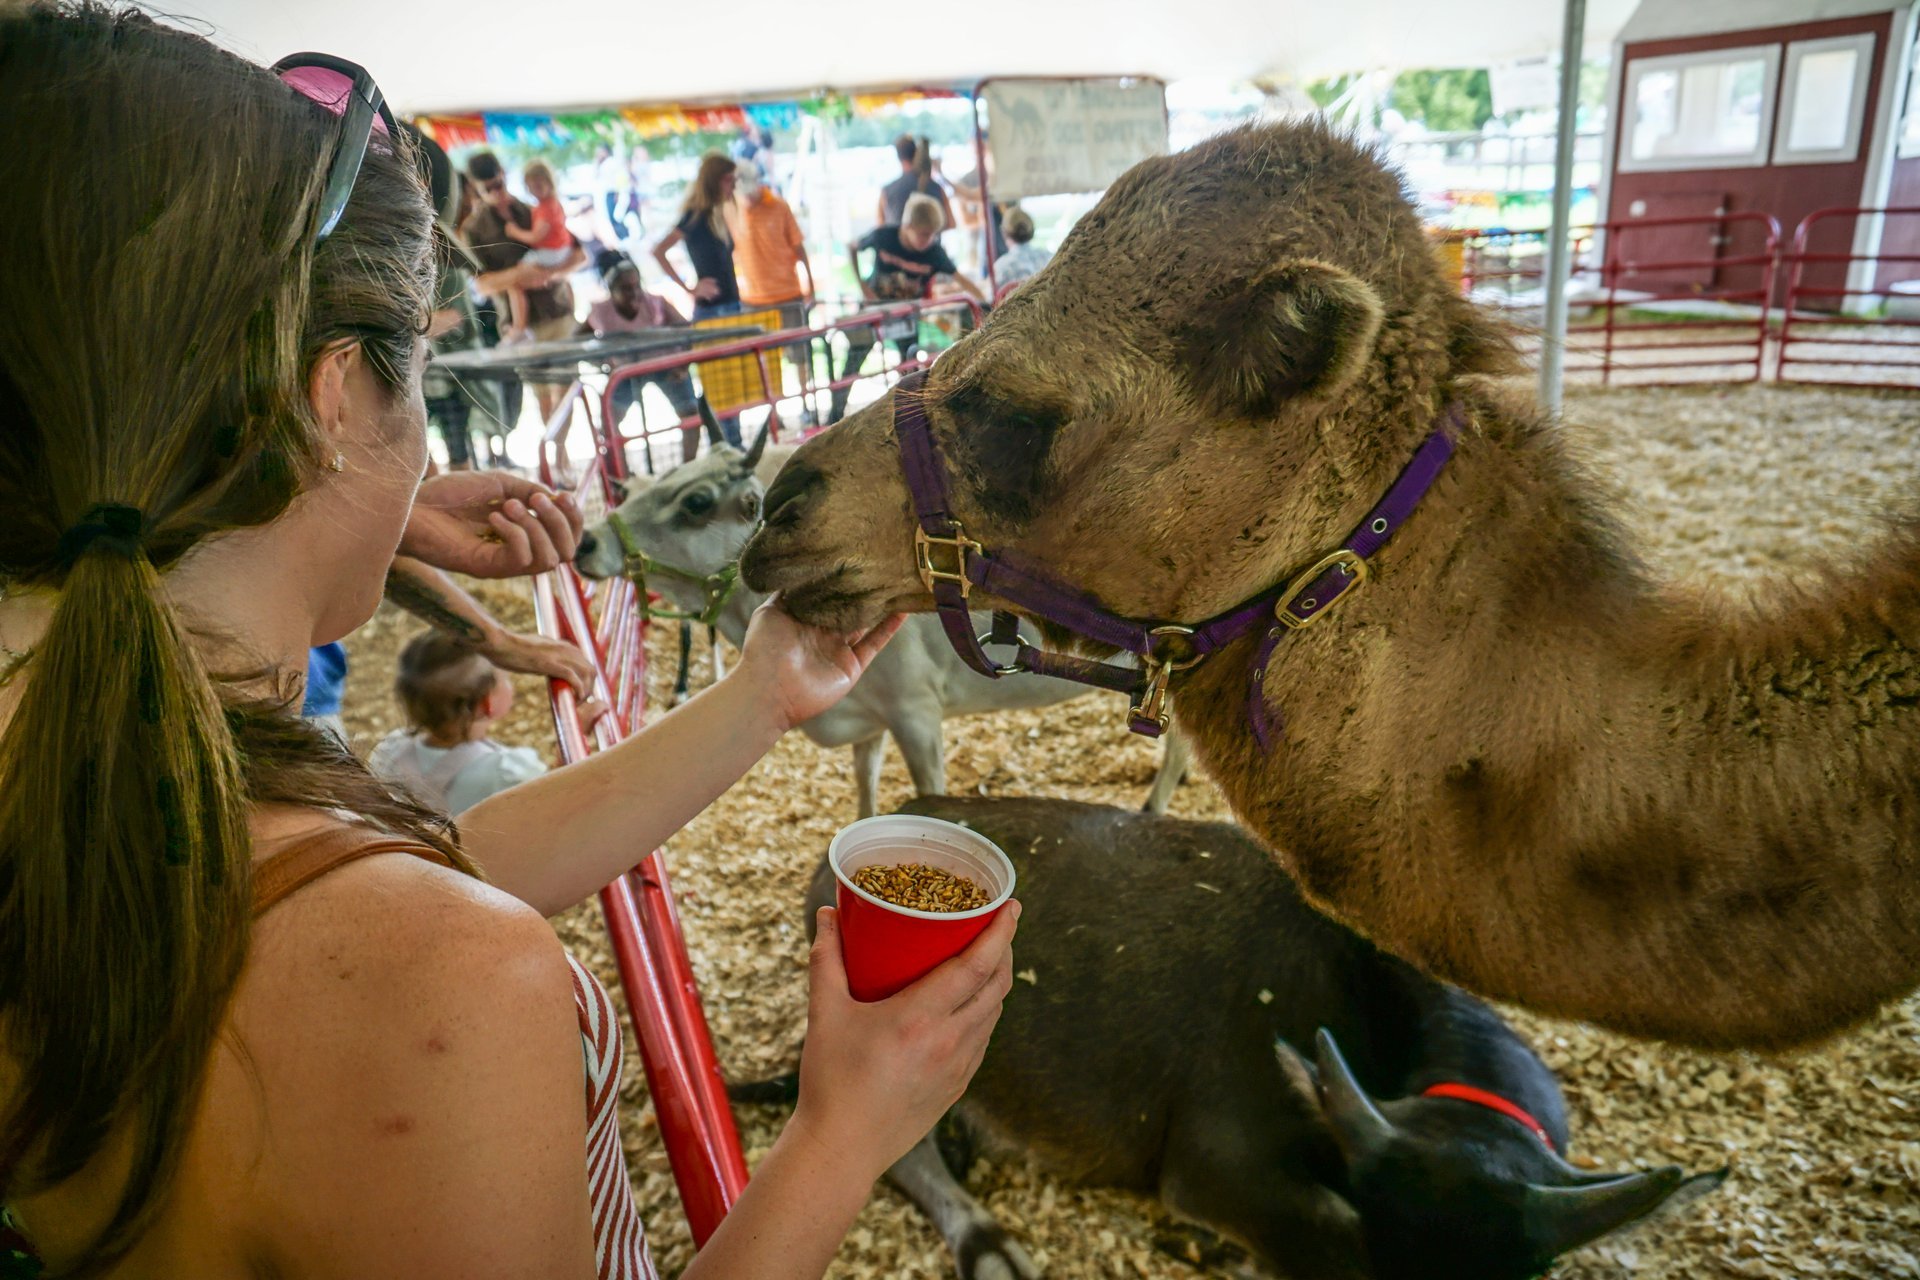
454,131
1053,137
524,130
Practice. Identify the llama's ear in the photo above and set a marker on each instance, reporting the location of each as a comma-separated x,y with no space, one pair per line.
1299,329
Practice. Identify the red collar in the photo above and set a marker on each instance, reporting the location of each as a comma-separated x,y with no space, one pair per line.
1493,1102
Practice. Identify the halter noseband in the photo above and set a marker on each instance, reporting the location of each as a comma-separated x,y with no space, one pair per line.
715,588
951,564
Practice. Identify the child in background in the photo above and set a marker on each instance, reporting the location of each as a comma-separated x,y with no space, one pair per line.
1023,257
452,697
548,240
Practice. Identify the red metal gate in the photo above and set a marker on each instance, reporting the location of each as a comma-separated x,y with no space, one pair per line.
1848,320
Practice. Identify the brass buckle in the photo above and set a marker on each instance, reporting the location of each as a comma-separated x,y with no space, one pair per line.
923,545
1351,561
1160,672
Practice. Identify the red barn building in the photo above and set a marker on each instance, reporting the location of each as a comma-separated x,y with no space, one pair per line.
1783,107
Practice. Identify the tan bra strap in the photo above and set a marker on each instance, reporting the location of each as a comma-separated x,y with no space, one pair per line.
305,861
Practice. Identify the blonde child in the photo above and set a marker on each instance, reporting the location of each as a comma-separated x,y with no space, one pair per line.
548,240
453,697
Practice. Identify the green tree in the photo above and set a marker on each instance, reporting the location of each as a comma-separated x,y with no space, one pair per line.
1448,101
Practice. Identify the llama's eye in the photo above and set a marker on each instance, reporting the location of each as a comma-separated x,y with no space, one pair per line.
697,504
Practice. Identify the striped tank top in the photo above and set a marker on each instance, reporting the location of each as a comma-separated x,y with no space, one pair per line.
619,1238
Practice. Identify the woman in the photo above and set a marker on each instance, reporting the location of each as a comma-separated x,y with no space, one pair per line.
382,1075
703,229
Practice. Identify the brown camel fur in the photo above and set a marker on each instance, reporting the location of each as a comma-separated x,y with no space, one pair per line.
1514,756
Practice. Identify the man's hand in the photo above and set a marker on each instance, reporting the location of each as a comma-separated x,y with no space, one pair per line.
535,655
490,524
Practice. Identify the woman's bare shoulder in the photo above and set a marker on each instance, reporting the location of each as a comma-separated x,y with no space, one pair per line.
406,1025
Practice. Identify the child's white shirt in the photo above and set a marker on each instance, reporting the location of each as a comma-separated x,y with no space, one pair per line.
452,779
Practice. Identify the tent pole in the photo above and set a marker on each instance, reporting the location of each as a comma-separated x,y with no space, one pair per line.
1553,342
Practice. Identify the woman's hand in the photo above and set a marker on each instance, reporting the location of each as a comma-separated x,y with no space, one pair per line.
804,670
874,1078
537,655
706,289
490,524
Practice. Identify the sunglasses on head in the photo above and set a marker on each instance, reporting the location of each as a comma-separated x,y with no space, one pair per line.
345,89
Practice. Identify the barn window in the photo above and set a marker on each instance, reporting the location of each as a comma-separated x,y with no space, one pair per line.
1709,110
1824,98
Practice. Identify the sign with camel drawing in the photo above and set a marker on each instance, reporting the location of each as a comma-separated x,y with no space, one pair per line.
1050,137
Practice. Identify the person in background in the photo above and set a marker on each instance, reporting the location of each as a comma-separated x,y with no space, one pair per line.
628,307
703,229
907,259
549,243
451,401
916,178
453,697
501,258
1023,258
981,222
771,256
610,184
709,243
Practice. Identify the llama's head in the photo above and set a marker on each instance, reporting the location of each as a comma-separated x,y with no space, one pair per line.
1236,346
695,518
1453,1191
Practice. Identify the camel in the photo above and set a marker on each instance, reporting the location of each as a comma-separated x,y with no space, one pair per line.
1513,756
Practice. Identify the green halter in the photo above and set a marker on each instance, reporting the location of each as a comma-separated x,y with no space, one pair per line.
715,588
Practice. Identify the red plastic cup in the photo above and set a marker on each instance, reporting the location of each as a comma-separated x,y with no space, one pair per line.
887,947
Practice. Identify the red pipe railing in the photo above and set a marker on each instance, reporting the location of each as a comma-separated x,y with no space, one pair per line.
611,442
642,917
1870,344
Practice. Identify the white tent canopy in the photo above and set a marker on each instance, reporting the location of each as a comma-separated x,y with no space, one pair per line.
438,55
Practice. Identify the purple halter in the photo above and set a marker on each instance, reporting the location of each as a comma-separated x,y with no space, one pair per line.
1164,648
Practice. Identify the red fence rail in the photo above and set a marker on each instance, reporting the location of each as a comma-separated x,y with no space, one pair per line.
1838,328
883,324
642,918
1652,300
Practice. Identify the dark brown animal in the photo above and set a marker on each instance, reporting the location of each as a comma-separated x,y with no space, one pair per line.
1514,757
1166,1043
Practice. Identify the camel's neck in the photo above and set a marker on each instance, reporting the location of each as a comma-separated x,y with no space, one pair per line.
1519,760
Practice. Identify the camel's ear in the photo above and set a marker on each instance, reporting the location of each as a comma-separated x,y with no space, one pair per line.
1299,329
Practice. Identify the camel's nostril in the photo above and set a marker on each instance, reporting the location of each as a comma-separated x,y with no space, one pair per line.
787,497
588,545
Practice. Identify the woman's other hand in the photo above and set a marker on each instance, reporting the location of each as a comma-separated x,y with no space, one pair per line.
804,670
490,524
875,1078
706,289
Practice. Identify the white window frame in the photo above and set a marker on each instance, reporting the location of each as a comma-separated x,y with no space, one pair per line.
1769,97
1905,148
1862,45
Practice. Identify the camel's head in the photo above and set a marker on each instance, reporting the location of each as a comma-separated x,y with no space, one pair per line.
695,517
1230,355
1454,1191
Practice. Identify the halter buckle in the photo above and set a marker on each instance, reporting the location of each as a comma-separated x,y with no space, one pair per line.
1352,563
960,543
1160,667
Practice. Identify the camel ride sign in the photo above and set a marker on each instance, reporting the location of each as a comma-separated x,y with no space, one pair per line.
1053,137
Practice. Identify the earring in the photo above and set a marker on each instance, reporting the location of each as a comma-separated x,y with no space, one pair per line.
339,462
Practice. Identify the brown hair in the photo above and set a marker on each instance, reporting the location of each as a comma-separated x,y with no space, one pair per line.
1017,226
923,213
541,170
443,684
704,196
129,769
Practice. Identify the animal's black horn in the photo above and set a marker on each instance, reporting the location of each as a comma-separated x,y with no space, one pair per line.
1562,1218
758,447
1357,1123
714,434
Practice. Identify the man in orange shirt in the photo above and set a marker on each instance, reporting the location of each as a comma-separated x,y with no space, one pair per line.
770,257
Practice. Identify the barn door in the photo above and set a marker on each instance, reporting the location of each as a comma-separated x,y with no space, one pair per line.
1670,258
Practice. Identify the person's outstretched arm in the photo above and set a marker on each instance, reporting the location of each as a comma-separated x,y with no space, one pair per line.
555,840
435,599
